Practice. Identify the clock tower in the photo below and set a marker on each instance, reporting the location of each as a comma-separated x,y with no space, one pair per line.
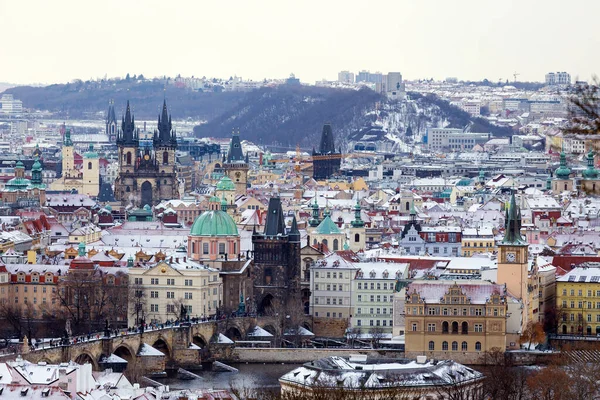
513,254
236,166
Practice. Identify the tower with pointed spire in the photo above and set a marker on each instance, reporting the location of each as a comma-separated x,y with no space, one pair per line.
513,254
111,122
277,264
236,165
315,220
68,157
357,230
326,162
147,174
562,181
590,183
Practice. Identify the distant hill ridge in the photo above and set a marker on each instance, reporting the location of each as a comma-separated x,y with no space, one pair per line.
285,115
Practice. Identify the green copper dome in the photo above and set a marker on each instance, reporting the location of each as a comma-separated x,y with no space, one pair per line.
214,223
590,172
91,153
37,165
225,184
563,171
327,227
19,164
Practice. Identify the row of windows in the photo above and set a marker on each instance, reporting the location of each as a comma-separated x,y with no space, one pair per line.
376,322
35,289
170,282
463,347
171,295
453,328
333,287
329,300
373,285
581,304
579,317
372,298
329,275
474,244
332,315
375,310
495,311
170,308
590,293
34,300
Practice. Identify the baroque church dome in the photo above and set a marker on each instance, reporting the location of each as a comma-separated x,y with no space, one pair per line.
214,222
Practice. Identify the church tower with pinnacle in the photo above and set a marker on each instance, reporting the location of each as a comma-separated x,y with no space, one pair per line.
236,165
147,175
326,162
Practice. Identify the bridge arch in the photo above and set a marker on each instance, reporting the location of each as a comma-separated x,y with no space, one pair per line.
199,341
271,329
233,333
161,345
126,353
85,357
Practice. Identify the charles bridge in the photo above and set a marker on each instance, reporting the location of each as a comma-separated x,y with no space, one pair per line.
183,345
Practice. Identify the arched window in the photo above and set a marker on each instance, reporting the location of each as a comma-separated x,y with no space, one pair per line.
455,327
477,346
465,328
90,165
444,346
407,206
445,327
454,346
128,158
565,186
431,346
335,245
464,346
356,237
127,189
324,242
315,241
193,247
165,157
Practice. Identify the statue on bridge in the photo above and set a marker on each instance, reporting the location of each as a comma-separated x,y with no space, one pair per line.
183,314
106,330
242,306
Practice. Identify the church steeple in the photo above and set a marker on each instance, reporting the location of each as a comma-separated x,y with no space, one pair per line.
327,142
128,135
166,134
512,234
235,153
358,222
590,172
563,171
314,221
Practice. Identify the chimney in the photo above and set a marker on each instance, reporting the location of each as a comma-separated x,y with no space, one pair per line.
184,259
171,260
177,260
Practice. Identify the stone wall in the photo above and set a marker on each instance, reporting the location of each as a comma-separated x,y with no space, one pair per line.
330,327
294,356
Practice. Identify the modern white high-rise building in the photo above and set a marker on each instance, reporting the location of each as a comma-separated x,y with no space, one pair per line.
8,105
346,77
558,78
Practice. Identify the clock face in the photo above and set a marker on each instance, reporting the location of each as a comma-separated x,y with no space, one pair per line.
146,157
511,257
238,174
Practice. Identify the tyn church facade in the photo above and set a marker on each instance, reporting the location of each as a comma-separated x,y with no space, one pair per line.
147,169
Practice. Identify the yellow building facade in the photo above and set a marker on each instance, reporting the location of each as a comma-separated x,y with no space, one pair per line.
447,320
578,301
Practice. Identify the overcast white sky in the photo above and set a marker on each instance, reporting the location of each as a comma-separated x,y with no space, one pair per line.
50,41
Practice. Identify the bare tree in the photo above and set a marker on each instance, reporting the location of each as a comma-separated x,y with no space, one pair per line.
139,303
353,334
584,109
376,336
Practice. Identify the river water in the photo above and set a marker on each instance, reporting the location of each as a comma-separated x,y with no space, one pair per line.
250,376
